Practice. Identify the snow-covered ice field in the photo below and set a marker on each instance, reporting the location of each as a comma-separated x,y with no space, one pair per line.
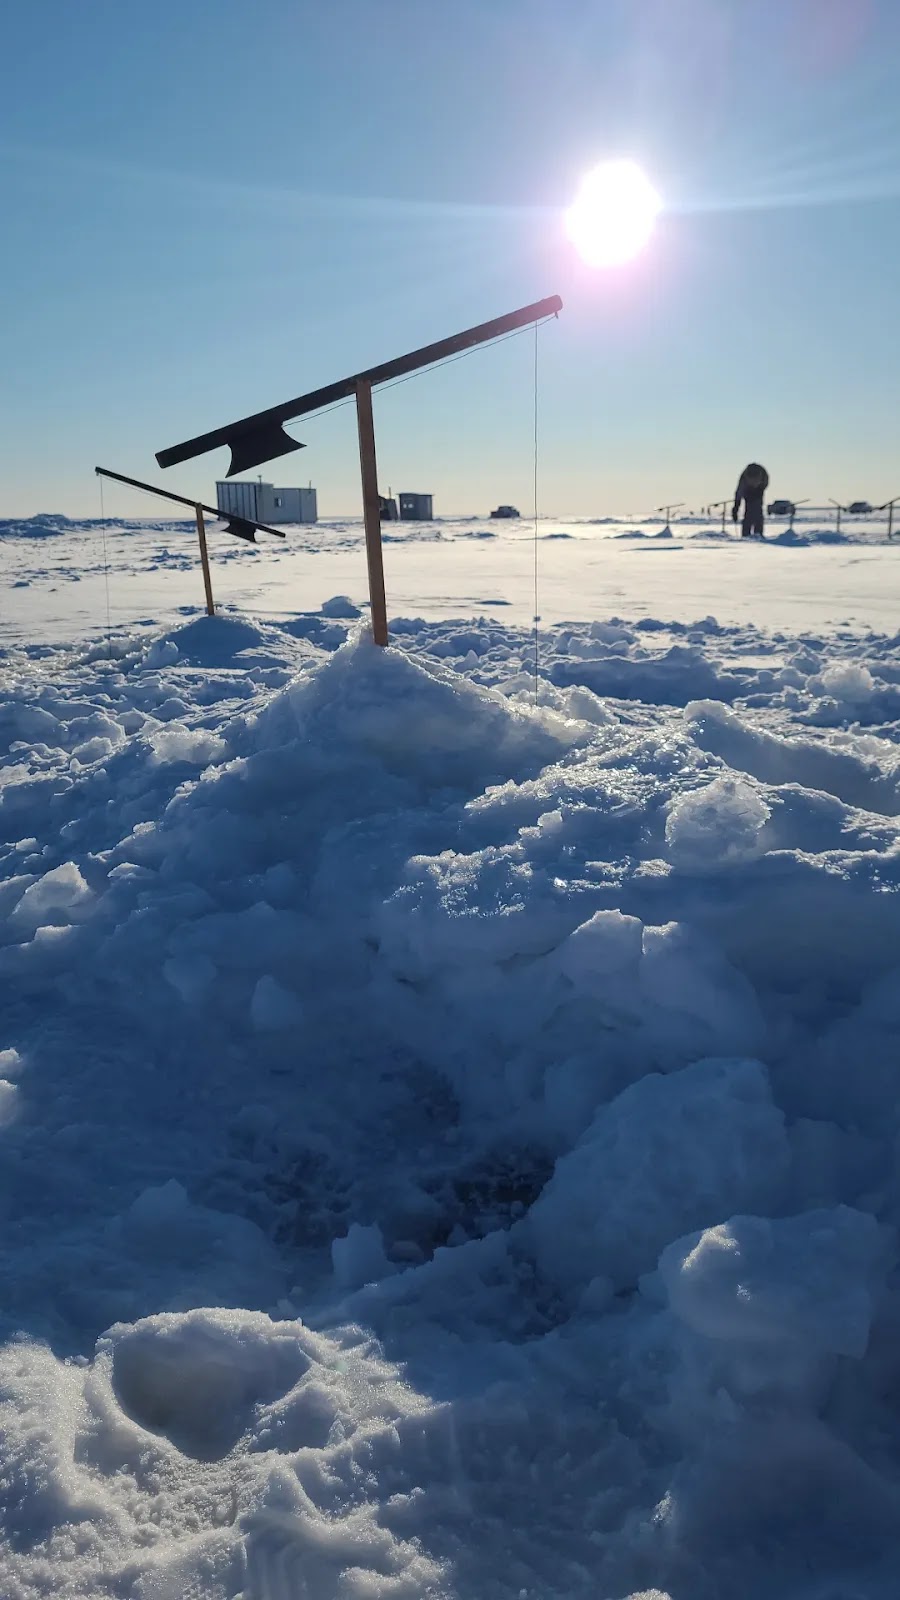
449,1134
457,567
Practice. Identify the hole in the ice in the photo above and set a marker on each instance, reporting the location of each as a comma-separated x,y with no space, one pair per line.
489,1194
313,1201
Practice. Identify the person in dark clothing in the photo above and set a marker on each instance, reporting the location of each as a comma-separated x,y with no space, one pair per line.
752,485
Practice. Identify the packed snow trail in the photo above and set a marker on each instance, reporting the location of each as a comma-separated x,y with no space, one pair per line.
449,1146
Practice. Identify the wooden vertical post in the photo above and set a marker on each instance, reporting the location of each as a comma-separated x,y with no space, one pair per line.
371,510
204,558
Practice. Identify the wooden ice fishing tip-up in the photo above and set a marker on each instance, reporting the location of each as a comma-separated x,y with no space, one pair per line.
241,527
261,437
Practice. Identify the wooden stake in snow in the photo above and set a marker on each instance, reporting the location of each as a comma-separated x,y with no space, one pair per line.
204,559
889,508
241,527
720,505
668,510
371,509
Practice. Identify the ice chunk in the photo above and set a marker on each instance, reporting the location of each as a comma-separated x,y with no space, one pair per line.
359,1257
96,749
56,898
159,1206
9,1096
696,1003
11,1063
340,605
273,1008
716,826
162,653
604,949
191,975
198,746
782,1494
849,681
195,1254
17,773
700,1144
807,1279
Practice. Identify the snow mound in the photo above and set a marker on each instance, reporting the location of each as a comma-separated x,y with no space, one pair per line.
810,1280
183,1439
340,605
847,681
541,1058
416,721
667,1154
197,1380
46,525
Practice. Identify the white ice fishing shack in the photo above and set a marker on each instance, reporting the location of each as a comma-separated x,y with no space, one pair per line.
262,502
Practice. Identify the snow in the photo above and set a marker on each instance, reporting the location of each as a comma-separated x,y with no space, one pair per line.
449,1137
54,898
340,605
359,1257
61,572
668,1153
807,1280
273,1007
721,823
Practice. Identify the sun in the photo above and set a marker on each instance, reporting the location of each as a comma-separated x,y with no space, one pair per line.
612,216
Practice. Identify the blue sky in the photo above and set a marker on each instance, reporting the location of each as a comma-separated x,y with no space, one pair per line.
212,205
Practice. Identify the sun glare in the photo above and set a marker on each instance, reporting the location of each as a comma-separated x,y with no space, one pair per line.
612,216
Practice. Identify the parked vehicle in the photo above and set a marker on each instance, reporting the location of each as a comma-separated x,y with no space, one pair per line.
781,508
859,508
505,511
